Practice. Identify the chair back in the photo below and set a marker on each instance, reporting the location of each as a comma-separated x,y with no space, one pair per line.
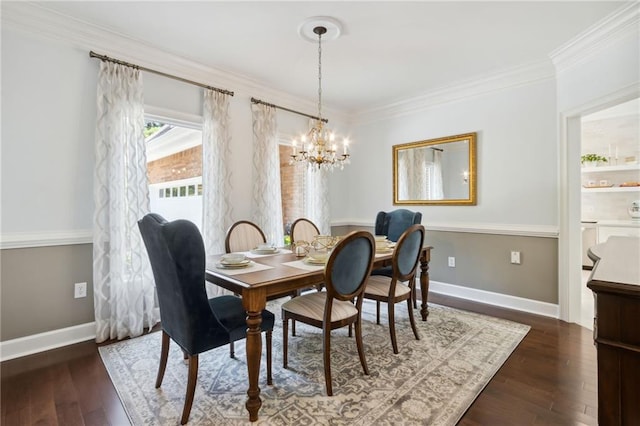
243,236
303,230
349,266
407,253
177,256
394,223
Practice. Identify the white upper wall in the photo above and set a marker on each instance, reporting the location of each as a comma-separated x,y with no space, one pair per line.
48,120
516,158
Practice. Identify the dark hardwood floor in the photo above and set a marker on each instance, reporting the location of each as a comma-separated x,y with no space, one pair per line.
550,379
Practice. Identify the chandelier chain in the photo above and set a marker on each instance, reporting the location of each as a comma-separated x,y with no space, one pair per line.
320,75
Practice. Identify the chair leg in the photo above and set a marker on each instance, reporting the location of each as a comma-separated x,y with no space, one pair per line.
378,312
326,357
269,357
350,330
392,326
412,320
164,354
285,341
414,295
360,346
293,327
232,353
185,355
191,388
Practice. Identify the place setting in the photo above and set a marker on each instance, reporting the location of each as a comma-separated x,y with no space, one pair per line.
235,263
311,259
383,245
265,249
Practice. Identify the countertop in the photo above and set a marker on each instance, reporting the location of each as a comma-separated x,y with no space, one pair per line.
618,261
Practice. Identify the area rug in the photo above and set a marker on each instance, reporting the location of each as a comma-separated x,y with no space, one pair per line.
432,381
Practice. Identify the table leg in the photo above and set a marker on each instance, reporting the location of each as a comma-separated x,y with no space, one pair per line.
425,257
254,303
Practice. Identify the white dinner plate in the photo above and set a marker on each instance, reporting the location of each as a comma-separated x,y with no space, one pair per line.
265,251
312,261
384,250
232,265
238,264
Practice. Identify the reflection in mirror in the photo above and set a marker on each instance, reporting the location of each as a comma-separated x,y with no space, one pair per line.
436,171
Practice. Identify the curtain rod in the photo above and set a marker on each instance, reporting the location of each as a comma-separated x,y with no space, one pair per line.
258,101
437,149
92,54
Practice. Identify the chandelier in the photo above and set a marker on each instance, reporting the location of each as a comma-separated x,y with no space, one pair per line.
318,148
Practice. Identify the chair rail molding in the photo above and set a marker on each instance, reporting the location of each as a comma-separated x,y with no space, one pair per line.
13,240
545,231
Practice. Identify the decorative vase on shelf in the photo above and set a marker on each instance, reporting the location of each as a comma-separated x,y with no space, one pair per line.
634,210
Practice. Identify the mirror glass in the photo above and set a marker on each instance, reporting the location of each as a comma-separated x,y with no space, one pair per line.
436,171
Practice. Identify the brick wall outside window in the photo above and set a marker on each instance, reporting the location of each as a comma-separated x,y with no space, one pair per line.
181,165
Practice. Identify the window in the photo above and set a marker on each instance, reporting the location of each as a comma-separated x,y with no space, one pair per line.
174,169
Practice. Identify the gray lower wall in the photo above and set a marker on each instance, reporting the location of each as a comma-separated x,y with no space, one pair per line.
37,283
483,262
37,289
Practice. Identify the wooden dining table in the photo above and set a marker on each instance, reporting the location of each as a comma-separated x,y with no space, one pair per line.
272,275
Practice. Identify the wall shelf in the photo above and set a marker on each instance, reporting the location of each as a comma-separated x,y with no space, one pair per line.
612,189
620,168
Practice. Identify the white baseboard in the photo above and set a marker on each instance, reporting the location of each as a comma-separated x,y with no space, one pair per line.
496,299
41,342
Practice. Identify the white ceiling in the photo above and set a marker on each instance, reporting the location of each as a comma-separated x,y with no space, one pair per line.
388,51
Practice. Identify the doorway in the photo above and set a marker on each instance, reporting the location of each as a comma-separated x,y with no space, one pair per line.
605,212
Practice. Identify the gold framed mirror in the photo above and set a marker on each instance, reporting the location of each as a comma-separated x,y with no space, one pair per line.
436,171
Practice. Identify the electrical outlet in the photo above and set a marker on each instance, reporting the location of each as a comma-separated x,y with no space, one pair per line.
515,257
452,262
80,290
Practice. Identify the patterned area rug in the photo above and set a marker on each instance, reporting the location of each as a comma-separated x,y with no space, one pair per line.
431,381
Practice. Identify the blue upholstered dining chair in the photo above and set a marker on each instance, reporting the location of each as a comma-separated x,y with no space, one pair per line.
393,224
196,323
401,285
345,277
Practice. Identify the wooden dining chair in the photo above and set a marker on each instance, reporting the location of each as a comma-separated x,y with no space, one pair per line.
303,229
345,277
197,324
243,236
401,285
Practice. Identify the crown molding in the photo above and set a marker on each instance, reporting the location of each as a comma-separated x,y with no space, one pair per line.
618,25
497,81
41,22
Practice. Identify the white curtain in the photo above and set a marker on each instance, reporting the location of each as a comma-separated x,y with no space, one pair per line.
316,199
436,189
216,175
267,199
124,291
